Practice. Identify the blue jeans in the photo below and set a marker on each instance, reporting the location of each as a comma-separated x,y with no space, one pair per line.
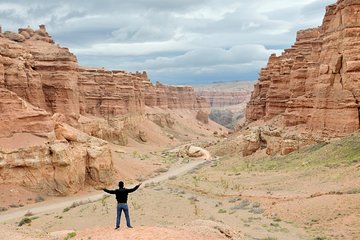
122,207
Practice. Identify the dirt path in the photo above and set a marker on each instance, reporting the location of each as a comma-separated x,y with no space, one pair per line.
68,201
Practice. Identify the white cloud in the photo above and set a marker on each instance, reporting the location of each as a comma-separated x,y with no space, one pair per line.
132,49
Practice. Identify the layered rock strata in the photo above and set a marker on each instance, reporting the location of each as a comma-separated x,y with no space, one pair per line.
49,77
218,99
315,84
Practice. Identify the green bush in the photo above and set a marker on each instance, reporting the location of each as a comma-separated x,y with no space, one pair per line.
23,221
70,235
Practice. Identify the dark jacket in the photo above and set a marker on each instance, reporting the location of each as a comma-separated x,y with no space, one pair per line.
122,193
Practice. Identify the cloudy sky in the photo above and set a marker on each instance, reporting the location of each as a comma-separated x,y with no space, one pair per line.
175,41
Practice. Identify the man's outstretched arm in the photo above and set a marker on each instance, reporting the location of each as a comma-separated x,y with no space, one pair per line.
109,191
134,189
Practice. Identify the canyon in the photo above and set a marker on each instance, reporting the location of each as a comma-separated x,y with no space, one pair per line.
288,170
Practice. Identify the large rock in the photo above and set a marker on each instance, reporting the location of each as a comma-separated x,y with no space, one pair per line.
315,84
194,152
114,131
59,167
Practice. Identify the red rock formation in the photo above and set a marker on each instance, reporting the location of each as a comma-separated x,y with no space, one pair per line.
49,77
106,93
316,82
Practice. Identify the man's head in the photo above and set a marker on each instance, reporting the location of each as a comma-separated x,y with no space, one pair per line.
121,184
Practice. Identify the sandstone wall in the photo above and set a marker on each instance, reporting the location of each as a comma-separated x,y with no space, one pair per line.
109,93
172,96
59,167
315,83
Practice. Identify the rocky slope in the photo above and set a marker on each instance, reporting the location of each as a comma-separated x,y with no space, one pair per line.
44,92
223,99
313,88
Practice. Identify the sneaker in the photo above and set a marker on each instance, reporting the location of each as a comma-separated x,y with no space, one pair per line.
117,228
130,227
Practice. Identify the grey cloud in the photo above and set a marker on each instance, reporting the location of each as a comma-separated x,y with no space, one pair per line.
211,57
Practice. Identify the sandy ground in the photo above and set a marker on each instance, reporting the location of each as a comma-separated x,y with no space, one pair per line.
108,233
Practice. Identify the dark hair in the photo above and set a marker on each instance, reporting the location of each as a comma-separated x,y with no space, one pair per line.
121,184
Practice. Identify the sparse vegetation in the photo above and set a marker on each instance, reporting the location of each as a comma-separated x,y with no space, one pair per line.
320,238
39,198
269,238
70,235
224,184
353,191
25,220
193,199
135,205
76,204
161,170
345,152
221,210
103,199
66,209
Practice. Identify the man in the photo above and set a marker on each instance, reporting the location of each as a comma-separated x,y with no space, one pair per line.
121,197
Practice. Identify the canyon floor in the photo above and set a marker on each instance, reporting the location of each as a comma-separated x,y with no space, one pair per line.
310,194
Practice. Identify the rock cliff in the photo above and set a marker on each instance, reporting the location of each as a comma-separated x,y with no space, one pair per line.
227,100
315,85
